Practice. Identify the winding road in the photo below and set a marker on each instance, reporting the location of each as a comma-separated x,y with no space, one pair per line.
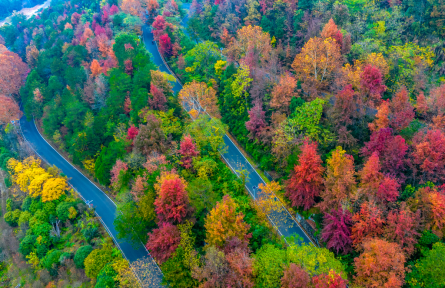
106,208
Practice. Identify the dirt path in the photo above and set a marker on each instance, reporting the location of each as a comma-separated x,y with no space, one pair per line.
28,12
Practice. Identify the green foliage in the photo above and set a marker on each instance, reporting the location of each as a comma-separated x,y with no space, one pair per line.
51,260
106,276
96,260
106,160
176,272
12,218
430,270
269,265
81,254
63,210
27,244
208,134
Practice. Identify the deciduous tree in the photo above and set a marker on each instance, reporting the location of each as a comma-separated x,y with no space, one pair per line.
337,230
382,119
429,155
329,280
162,242
369,223
380,265
150,137
257,121
199,97
402,228
283,92
9,110
224,222
13,72
307,181
188,151
295,277
371,82
402,110
158,100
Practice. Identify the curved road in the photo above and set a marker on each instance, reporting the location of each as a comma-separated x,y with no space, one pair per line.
282,221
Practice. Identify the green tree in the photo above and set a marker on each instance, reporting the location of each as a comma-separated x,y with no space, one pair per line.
81,254
96,260
269,265
429,271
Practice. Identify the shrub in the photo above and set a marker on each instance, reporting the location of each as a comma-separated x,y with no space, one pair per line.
96,261
81,254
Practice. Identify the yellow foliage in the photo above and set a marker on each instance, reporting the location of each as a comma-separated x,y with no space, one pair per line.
89,165
268,203
35,187
125,275
53,189
33,260
379,61
73,212
167,175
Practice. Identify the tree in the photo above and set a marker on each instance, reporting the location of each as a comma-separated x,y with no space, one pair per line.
371,82
224,222
95,68
165,45
132,132
257,121
339,181
158,100
388,190
337,230
370,175
421,104
215,269
295,277
118,170
391,150
380,265
369,223
317,62
81,254
330,30
306,182
13,72
9,110
429,155
402,228
172,204
188,151
198,97
330,280
382,119
240,264
150,137
402,110
133,7
96,260
162,242
283,92
268,265
429,270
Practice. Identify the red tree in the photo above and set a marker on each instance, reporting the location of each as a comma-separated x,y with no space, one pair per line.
330,280
158,100
370,175
127,105
165,45
13,72
306,182
119,167
162,242
257,121
380,265
429,155
114,10
188,151
402,228
240,264
9,110
402,110
391,149
159,26
421,105
295,277
368,223
132,132
128,67
345,106
172,202
371,82
388,189
337,230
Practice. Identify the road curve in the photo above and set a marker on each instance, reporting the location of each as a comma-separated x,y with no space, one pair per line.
104,206
282,221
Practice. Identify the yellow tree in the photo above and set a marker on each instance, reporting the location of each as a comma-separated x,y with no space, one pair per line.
198,97
223,223
53,188
268,204
317,62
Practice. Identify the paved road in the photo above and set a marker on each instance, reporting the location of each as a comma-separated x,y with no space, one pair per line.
105,208
283,221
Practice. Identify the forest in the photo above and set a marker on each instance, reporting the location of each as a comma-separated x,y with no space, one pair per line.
339,105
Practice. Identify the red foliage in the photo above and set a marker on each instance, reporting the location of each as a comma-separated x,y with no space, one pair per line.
165,45
337,230
162,242
380,265
371,81
117,169
75,18
158,100
172,202
370,175
127,105
368,223
429,155
240,267
388,189
138,188
187,151
345,106
306,182
105,18
257,121
114,10
402,110
9,110
159,26
331,280
132,132
391,149
295,277
128,67
402,228
421,105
